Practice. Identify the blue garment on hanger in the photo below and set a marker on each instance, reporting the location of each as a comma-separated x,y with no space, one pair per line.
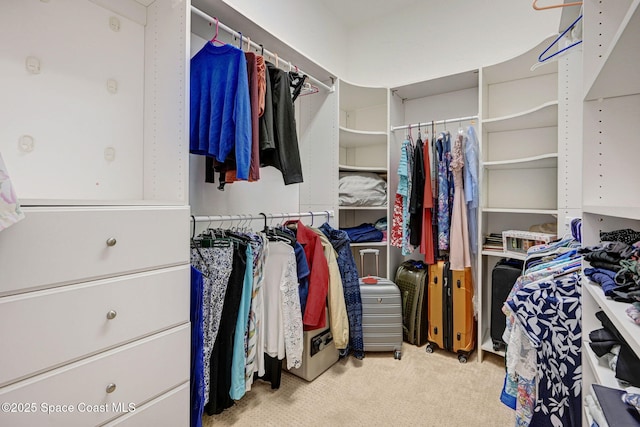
351,285
197,349
239,358
471,194
220,110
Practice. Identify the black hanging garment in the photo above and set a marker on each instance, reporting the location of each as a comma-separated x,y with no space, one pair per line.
286,156
416,199
222,353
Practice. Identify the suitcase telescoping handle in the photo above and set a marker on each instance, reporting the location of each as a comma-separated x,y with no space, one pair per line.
368,279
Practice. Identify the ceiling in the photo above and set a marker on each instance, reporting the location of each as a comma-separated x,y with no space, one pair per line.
355,12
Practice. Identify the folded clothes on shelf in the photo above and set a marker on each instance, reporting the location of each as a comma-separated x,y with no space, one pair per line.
365,232
627,367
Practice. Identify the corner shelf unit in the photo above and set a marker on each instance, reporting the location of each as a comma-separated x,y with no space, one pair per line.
518,161
363,148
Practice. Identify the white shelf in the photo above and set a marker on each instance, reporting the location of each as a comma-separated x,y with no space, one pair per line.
544,115
354,97
369,244
619,74
603,374
359,138
520,67
69,202
487,344
615,311
425,88
613,211
521,211
362,208
549,160
503,254
374,169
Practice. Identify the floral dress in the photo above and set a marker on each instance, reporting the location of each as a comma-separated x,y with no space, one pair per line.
443,147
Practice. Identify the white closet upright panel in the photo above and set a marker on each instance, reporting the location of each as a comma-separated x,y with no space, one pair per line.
611,106
97,274
519,159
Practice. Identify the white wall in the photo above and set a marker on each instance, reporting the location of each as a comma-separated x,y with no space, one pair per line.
440,37
418,42
306,25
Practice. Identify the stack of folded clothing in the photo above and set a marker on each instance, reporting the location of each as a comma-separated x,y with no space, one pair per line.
615,266
365,232
609,344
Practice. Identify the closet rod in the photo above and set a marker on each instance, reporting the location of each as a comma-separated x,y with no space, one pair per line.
439,122
257,46
212,218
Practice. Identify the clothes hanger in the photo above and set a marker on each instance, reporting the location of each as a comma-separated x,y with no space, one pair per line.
215,37
541,58
553,6
311,89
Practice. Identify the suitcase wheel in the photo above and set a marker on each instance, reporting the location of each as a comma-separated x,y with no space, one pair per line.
462,358
496,346
429,348
397,355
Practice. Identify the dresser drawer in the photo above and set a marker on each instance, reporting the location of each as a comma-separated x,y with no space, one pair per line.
55,246
170,409
47,328
103,387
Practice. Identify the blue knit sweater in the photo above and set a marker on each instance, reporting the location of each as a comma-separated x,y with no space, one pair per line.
220,115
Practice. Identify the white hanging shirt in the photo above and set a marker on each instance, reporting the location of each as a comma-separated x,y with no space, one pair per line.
282,326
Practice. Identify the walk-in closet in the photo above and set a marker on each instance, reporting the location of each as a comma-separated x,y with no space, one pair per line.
226,212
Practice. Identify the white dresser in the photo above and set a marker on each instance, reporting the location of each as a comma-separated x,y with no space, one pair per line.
94,282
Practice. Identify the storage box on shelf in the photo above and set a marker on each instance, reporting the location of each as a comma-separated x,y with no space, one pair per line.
518,242
519,158
97,147
363,150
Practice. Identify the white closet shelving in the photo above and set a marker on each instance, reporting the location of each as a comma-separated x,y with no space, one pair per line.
97,274
438,100
363,135
610,117
422,102
519,159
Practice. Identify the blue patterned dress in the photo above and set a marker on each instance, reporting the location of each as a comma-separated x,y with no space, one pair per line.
445,190
349,274
550,314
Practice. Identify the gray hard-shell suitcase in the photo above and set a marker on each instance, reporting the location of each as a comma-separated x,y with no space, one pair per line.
381,313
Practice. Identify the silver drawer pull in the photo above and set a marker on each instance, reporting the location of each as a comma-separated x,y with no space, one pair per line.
111,241
111,388
112,314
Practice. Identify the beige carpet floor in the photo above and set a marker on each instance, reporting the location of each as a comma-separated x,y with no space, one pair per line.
419,390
